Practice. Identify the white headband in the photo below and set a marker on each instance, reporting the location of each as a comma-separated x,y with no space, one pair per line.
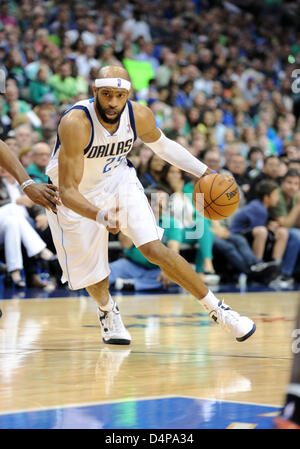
113,82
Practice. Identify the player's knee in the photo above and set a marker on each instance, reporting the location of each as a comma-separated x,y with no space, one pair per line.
100,289
153,251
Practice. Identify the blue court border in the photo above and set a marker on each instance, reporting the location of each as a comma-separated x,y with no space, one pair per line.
157,413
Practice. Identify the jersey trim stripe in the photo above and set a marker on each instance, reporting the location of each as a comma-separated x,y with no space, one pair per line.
132,120
87,113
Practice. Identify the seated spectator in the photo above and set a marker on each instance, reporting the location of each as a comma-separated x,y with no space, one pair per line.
24,136
212,158
41,153
40,87
15,231
11,96
294,164
287,213
25,157
267,239
63,83
255,161
86,61
270,172
12,143
134,271
233,252
153,171
238,167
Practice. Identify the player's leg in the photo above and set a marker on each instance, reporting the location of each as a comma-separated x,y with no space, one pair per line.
141,227
112,328
290,417
82,250
181,272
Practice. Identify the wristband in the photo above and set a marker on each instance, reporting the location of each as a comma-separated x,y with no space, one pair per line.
26,184
214,171
100,216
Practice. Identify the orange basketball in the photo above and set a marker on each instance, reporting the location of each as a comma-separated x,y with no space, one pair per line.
219,199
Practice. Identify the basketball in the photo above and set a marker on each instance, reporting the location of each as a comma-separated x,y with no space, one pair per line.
220,197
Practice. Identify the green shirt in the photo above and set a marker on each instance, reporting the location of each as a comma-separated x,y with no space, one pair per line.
172,232
37,90
35,173
282,208
65,88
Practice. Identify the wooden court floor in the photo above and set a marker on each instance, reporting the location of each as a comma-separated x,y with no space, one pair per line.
52,356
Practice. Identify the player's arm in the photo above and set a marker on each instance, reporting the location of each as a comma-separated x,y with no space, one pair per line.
167,149
42,194
74,133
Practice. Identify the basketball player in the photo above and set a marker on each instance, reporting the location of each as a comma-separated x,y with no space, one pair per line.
42,194
101,193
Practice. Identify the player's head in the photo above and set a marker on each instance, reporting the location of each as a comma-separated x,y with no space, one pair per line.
111,90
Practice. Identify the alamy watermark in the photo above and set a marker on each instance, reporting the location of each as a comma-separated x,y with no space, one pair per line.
296,83
296,342
127,211
2,81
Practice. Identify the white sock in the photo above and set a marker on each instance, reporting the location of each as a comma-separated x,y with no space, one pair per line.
209,302
108,306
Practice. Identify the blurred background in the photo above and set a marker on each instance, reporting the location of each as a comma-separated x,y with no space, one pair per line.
222,79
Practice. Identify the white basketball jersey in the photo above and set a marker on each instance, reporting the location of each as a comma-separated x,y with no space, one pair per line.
106,153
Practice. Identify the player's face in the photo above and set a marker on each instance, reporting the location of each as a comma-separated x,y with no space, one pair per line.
110,103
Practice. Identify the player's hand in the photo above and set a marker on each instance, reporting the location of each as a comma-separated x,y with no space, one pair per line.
44,195
226,176
111,220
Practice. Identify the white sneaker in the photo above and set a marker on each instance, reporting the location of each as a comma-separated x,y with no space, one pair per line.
240,326
112,328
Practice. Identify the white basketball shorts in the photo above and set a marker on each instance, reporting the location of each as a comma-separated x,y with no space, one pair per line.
82,244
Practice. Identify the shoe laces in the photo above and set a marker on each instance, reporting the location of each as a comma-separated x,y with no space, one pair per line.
225,316
112,320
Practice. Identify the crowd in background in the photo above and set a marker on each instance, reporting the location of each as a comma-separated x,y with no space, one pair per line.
220,78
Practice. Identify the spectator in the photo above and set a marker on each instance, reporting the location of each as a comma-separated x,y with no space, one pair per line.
41,153
153,171
86,61
16,230
252,222
25,157
195,229
63,83
287,213
255,162
238,167
270,171
40,87
233,254
24,136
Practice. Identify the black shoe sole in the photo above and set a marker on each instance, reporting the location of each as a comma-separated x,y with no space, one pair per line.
114,341
247,335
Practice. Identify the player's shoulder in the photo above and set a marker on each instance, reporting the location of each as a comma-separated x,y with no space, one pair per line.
75,119
142,114
140,110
